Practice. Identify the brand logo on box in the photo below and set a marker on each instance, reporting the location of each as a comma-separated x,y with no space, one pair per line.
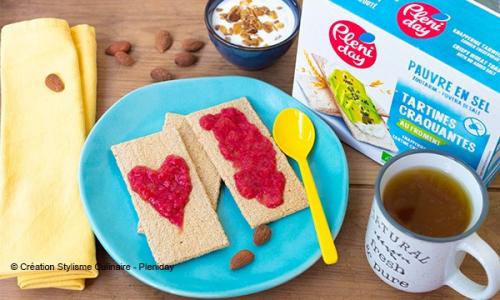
353,44
421,20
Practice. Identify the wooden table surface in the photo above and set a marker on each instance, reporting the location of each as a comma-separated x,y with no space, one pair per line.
138,21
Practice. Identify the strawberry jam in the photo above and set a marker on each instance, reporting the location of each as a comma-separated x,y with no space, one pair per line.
166,189
251,153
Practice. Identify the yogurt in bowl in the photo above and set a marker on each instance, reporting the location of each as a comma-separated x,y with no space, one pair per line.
252,34
253,23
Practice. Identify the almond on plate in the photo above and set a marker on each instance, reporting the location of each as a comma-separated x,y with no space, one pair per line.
163,41
124,59
185,59
241,259
54,82
117,46
261,235
192,45
161,74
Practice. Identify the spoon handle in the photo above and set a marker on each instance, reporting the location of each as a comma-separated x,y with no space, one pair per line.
328,250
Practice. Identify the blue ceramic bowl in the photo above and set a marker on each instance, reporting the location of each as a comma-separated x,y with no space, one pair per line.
249,58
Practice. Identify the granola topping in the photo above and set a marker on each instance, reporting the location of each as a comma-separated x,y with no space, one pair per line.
253,23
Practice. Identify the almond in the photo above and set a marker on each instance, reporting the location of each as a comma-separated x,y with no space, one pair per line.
185,59
241,259
261,235
163,41
192,45
161,74
53,82
116,46
124,59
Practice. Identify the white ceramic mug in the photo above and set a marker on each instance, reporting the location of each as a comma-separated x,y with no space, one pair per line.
415,263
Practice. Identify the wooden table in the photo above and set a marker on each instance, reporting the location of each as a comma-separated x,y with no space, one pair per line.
138,21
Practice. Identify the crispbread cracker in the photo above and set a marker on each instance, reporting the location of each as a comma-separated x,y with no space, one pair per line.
254,212
209,176
319,98
201,232
314,86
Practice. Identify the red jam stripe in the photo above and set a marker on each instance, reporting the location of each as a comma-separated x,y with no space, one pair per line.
251,153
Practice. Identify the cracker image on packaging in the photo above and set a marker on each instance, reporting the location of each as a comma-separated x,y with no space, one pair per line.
314,86
255,213
358,110
317,96
361,115
201,231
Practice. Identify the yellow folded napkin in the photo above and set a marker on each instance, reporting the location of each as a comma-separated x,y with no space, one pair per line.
42,221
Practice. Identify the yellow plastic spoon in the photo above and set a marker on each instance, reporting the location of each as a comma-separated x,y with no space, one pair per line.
294,133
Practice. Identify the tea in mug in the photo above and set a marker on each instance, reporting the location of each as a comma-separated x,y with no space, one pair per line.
428,201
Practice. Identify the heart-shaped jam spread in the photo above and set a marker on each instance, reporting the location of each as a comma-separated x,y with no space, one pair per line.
166,189
251,153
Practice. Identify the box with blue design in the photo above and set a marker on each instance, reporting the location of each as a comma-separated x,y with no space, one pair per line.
390,76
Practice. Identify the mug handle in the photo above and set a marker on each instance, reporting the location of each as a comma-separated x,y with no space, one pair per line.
490,261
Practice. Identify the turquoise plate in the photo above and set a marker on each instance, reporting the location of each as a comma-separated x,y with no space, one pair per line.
293,247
